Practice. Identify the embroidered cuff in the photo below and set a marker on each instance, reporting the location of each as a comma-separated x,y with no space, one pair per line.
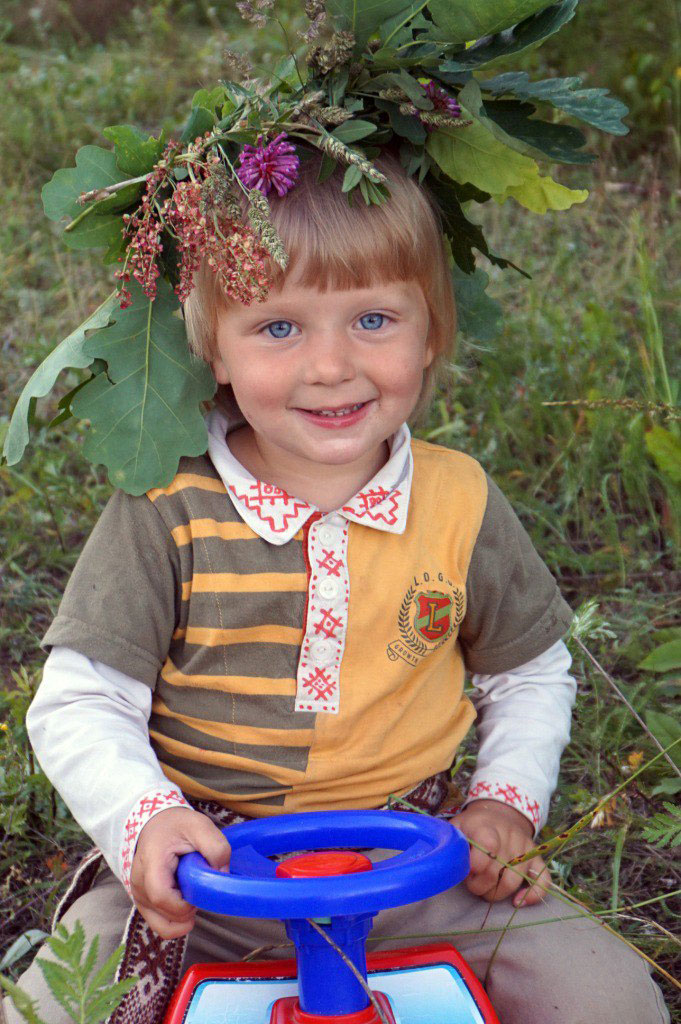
146,808
488,788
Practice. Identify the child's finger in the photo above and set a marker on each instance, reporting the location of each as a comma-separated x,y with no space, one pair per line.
528,895
162,925
161,892
484,869
207,838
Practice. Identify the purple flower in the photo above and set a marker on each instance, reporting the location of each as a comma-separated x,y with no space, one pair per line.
274,164
442,102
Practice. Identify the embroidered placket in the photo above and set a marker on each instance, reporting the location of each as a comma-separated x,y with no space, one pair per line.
326,624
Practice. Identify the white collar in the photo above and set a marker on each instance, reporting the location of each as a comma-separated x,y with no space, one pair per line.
277,516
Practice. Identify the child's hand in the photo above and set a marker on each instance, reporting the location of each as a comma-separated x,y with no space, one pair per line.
506,833
161,843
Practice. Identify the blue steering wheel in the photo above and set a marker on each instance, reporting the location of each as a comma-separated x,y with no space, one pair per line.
432,857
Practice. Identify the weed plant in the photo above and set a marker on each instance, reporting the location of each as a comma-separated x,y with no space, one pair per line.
597,483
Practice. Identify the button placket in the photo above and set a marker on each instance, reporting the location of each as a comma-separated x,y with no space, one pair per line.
318,676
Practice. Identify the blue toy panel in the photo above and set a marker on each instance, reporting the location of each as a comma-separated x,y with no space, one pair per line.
435,994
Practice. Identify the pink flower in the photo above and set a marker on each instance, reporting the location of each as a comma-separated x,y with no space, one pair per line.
442,102
275,164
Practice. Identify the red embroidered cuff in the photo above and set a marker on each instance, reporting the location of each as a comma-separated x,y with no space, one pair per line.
506,793
147,807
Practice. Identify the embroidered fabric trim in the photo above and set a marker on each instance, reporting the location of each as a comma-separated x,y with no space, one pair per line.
147,807
326,620
506,793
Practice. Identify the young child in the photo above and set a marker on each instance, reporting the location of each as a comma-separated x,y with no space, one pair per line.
286,627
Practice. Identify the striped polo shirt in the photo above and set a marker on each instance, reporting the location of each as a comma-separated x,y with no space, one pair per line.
302,660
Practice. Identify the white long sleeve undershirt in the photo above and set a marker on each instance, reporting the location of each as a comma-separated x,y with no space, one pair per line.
88,725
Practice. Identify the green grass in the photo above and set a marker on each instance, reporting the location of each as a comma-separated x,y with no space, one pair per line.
597,321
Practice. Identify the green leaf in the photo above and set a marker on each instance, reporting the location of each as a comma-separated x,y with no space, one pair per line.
472,154
665,449
364,17
540,194
664,658
541,139
95,232
21,946
478,315
593,106
95,168
136,152
24,1004
351,131
198,123
463,234
352,177
401,79
664,829
668,787
145,412
70,353
464,20
512,40
470,97
666,730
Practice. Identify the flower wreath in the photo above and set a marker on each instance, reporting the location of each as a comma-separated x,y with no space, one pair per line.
398,72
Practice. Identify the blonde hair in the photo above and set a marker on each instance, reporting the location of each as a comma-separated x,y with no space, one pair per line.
334,244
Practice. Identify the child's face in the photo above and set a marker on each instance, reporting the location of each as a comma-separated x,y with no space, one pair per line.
303,352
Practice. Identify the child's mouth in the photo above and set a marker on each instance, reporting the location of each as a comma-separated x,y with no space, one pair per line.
335,417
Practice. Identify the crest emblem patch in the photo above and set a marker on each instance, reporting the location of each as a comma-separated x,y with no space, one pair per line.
427,617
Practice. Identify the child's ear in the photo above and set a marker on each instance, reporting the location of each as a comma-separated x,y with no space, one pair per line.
219,370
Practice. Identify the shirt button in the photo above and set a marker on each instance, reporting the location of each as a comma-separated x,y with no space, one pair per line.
329,588
321,652
328,535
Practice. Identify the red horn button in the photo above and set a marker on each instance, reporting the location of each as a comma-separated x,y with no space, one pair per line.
327,862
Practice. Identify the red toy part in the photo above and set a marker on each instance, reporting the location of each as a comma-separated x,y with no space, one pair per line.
327,862
417,956
287,1011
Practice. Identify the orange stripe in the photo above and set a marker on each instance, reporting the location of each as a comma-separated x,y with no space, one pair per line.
201,528
267,634
183,480
252,734
230,684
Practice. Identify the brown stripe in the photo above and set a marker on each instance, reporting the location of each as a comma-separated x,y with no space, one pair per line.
193,786
236,733
294,758
230,684
248,583
198,760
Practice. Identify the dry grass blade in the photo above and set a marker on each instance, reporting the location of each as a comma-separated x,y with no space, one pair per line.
351,967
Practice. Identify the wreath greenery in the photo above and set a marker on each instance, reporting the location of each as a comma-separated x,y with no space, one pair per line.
414,74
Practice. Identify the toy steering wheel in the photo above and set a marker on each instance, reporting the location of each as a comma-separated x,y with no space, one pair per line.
432,857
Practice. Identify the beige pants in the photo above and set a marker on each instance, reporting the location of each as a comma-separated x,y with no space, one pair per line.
560,972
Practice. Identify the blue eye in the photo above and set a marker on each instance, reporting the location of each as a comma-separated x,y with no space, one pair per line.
279,328
372,321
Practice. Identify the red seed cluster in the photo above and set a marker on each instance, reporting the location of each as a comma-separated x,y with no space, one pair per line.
144,230
231,248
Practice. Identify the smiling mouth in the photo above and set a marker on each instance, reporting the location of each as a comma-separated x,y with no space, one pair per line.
341,411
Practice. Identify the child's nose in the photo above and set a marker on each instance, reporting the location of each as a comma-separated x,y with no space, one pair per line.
329,359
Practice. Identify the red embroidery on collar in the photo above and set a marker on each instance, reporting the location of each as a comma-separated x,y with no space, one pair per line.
364,503
284,507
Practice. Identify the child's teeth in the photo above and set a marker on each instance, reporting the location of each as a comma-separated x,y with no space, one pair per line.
338,412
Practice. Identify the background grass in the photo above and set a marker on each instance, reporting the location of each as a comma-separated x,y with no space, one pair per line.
598,320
